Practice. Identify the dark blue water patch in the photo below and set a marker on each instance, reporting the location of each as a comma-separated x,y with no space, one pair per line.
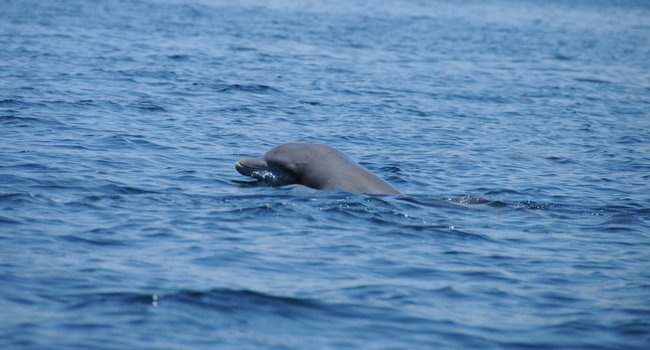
562,57
225,87
148,106
129,141
10,102
91,242
245,307
18,120
592,80
561,160
179,57
8,221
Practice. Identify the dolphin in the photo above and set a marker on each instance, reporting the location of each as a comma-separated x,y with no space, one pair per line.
313,165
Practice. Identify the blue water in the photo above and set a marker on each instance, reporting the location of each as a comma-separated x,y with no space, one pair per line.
518,131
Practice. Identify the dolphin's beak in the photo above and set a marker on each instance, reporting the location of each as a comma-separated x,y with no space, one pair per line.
246,166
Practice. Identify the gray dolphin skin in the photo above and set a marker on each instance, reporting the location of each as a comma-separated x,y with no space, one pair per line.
313,165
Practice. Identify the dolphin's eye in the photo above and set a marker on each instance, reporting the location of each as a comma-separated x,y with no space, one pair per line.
279,167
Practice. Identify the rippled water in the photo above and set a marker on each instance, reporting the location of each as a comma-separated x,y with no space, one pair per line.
518,131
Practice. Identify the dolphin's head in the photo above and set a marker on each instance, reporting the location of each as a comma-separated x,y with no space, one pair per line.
280,166
317,166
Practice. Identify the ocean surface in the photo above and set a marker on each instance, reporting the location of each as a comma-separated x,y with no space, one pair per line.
518,131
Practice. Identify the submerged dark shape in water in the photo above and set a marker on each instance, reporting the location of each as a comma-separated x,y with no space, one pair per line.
317,166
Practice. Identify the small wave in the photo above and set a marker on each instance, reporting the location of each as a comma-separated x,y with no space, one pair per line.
592,80
561,160
8,221
10,102
561,57
85,300
622,219
253,88
13,119
179,57
243,300
219,299
148,106
251,183
241,48
501,191
95,241
498,204
10,197
123,189
311,103
19,199
390,169
621,222
130,140
149,74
